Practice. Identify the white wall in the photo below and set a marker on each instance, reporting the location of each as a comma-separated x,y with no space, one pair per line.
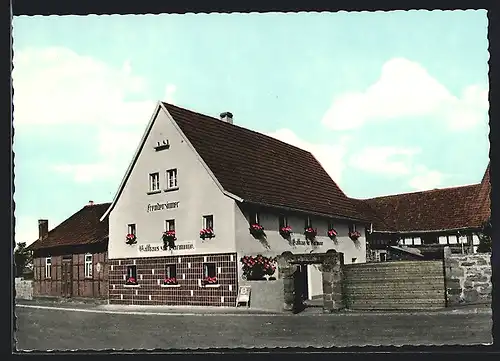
197,195
275,244
314,280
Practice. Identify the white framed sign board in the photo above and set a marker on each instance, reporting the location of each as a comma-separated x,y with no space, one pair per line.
243,296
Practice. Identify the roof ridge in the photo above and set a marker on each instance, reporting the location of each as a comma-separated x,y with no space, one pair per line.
421,192
236,126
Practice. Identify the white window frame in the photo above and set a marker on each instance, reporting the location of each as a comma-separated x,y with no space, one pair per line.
154,182
168,222
48,267
206,266
256,219
285,220
88,265
172,179
132,229
205,224
168,268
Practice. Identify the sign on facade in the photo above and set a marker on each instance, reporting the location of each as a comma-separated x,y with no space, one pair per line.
161,206
243,295
305,242
151,248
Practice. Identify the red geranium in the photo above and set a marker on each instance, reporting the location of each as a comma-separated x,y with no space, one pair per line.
286,231
130,238
310,232
206,233
131,280
170,281
210,280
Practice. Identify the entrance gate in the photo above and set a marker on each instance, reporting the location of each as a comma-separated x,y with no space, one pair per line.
291,268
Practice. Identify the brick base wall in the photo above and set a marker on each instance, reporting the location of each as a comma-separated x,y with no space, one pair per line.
189,269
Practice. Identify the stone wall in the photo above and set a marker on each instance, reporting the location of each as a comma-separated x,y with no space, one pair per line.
467,278
24,289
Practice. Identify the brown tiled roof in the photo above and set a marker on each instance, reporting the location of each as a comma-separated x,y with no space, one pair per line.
83,227
438,209
263,170
481,208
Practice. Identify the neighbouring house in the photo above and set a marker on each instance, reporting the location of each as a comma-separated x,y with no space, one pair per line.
201,193
70,260
419,225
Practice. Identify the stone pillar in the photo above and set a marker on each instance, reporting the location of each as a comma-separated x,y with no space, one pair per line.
452,276
285,271
333,299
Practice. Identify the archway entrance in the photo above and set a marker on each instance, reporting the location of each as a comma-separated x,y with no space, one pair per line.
296,283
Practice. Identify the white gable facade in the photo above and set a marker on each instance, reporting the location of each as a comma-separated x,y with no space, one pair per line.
148,205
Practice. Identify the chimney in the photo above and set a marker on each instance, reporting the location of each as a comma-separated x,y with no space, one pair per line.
91,203
43,228
227,117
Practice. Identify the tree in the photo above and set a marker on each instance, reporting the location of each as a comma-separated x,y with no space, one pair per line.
485,238
22,258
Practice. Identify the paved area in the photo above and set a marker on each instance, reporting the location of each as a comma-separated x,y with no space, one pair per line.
91,327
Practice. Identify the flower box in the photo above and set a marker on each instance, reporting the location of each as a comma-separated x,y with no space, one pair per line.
207,233
332,233
170,281
285,232
310,233
256,230
354,235
131,281
256,267
130,239
169,239
208,281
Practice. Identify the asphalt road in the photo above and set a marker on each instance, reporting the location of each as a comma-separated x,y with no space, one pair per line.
45,329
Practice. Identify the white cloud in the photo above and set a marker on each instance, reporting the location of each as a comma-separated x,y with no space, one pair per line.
425,179
404,89
54,86
330,156
26,229
381,160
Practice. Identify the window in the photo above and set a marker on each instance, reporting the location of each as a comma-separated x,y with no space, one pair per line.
154,182
131,229
331,225
208,222
209,270
88,266
170,271
383,257
352,227
170,225
430,240
48,267
354,260
131,277
253,217
308,223
171,178
283,220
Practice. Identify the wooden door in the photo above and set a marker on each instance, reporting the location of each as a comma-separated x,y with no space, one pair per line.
67,278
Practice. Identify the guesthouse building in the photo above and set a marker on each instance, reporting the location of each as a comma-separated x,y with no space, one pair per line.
70,260
206,205
419,225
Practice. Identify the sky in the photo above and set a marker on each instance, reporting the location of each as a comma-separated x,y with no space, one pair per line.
388,102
